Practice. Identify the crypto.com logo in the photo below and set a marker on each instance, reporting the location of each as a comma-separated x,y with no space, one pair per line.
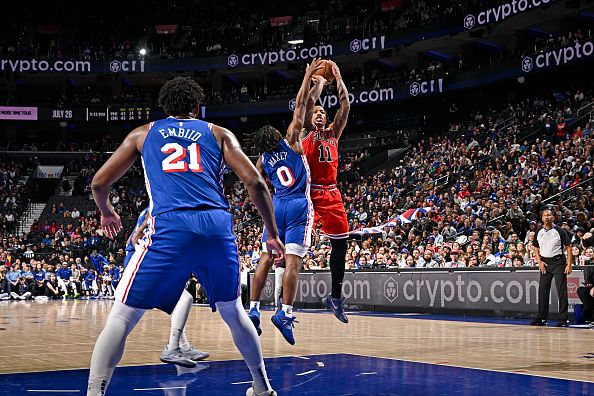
292,104
469,21
268,288
233,60
527,64
355,45
415,88
391,289
115,66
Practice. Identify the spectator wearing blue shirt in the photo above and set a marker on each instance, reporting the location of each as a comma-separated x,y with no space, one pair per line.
13,276
90,283
28,275
98,261
47,240
38,286
114,274
64,275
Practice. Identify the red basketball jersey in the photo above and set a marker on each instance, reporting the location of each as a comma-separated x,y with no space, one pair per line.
320,147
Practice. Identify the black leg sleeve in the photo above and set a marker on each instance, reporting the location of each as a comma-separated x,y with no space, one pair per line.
337,260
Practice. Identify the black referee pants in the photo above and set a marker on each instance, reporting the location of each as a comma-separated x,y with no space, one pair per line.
555,269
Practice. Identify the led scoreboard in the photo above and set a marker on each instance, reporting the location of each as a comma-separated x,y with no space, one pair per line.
129,113
98,114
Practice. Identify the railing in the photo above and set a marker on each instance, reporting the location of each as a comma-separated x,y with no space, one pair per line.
579,115
505,123
589,180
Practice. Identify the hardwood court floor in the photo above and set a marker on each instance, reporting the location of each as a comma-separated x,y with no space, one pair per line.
53,335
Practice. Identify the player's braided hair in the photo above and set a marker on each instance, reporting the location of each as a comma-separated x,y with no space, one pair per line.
180,96
266,138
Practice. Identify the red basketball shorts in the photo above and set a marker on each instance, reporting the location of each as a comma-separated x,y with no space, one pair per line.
329,211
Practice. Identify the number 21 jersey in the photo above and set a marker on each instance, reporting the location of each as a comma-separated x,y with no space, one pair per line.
183,166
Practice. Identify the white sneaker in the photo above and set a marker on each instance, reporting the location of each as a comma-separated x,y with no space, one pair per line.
175,357
194,354
251,392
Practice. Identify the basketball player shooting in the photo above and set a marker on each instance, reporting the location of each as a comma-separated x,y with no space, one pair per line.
320,146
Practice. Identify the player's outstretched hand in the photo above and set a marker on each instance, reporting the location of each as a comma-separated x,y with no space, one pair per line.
315,65
111,224
335,71
276,249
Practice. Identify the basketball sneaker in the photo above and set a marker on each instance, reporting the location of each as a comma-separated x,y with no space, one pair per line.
194,354
562,323
538,322
254,315
336,305
285,325
175,356
252,392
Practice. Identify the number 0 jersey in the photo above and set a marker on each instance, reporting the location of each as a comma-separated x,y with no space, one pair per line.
320,147
287,171
183,166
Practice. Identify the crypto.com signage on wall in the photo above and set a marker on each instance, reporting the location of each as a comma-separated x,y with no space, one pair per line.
424,291
558,57
502,11
70,66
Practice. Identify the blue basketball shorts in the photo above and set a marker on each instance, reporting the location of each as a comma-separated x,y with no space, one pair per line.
129,255
294,220
175,244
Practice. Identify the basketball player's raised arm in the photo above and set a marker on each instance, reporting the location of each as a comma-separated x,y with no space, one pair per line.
342,115
255,184
294,130
114,168
314,94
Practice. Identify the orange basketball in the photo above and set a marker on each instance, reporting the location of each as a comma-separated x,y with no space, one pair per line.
326,71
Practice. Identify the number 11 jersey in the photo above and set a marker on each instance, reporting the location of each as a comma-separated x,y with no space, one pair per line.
320,147
183,166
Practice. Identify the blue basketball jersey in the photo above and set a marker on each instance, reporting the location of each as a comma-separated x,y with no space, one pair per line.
183,166
141,216
287,171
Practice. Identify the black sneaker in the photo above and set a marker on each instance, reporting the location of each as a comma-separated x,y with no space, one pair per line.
562,323
538,322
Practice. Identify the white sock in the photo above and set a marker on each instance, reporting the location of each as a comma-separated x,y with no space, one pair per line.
179,316
184,344
246,340
110,346
255,304
288,310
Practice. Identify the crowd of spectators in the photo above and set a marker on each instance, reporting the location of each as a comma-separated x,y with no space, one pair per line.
195,29
203,29
58,257
480,186
13,194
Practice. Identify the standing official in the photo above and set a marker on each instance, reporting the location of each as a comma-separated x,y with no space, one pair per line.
549,244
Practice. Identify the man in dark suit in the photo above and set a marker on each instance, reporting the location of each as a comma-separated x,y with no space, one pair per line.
586,293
